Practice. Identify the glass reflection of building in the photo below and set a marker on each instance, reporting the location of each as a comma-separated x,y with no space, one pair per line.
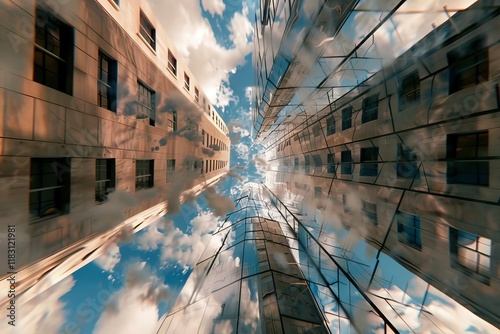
380,126
98,131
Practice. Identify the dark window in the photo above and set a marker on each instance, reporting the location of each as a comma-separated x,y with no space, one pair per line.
307,164
370,108
187,83
146,104
296,137
144,174
106,82
104,178
345,204
49,186
409,230
170,170
196,94
369,211
468,66
318,163
147,31
346,118
331,163
369,158
330,125
54,48
471,253
463,153
346,162
296,163
117,2
406,165
172,63
316,130
409,93
318,192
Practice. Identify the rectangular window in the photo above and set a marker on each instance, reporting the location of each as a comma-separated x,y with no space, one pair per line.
330,125
369,158
347,209
187,82
106,82
346,162
370,109
196,94
471,253
296,163
409,230
316,130
54,51
146,103
469,66
318,192
464,152
406,165
307,164
49,187
147,31
346,118
369,211
172,63
331,163
104,178
409,93
144,174
318,163
170,170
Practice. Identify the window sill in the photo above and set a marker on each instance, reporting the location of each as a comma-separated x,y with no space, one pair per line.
114,4
170,71
37,220
146,42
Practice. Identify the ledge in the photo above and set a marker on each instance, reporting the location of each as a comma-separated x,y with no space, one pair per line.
145,42
114,5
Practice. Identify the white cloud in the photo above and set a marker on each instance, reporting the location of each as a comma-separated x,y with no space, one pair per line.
110,259
219,203
195,40
214,7
42,314
134,309
176,245
242,150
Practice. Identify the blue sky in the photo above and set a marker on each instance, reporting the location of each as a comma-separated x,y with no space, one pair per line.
112,292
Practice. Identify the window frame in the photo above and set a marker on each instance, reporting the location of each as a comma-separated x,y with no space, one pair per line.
369,213
172,63
144,165
412,79
479,54
346,121
63,55
109,180
147,30
187,82
152,100
370,108
409,230
344,164
369,166
60,169
330,125
110,84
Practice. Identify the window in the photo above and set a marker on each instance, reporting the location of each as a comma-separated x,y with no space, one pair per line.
170,170
471,253
468,66
409,230
49,186
463,152
104,178
196,94
307,164
346,118
318,192
172,63
318,163
106,82
330,125
409,93
187,83
347,209
203,137
296,163
144,174
331,163
407,165
369,211
54,49
369,156
316,130
146,104
346,162
147,31
370,108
